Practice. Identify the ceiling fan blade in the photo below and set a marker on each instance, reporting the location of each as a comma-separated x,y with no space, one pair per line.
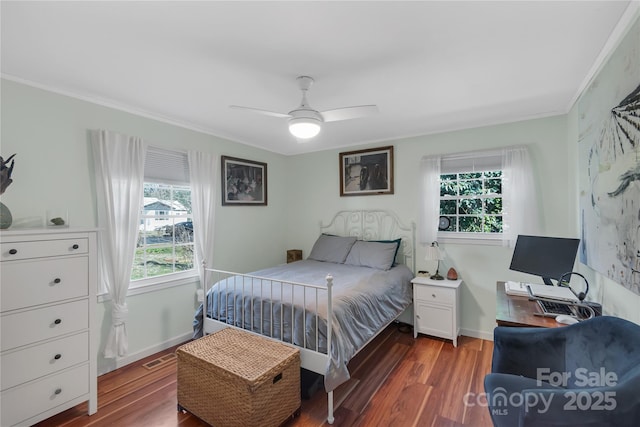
260,111
347,113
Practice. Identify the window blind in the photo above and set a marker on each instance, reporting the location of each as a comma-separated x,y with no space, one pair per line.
478,161
166,166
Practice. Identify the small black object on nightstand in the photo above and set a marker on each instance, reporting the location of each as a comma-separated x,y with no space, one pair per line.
294,255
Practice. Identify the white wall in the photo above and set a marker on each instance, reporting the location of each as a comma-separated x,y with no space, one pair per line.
620,65
54,169
314,188
616,300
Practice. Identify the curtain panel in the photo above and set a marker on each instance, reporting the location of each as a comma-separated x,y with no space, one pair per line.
203,173
520,207
429,209
119,168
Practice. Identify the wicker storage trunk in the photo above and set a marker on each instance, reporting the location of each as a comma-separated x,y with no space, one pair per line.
236,378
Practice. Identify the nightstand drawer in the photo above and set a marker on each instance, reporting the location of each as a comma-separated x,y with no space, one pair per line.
434,294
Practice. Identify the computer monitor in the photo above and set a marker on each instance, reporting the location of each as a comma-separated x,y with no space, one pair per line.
547,257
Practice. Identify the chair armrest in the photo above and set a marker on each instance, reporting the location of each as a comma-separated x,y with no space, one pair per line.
520,401
615,406
519,351
504,397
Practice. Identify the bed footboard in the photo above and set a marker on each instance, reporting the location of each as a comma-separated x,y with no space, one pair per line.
290,312
293,313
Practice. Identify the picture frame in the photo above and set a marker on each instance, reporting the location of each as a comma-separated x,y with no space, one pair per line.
244,182
366,172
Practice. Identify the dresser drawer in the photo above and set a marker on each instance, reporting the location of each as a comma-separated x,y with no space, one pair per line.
33,282
435,294
43,248
23,402
43,359
31,326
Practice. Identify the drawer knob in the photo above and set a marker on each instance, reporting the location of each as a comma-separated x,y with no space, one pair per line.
58,391
57,321
57,356
76,246
13,251
57,280
433,295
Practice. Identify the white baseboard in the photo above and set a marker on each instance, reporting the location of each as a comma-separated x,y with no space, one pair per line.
477,334
134,357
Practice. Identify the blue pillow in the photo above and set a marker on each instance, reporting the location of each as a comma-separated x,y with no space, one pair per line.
398,242
331,248
374,254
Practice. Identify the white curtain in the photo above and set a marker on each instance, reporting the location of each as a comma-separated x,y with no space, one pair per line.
519,201
429,209
119,168
202,174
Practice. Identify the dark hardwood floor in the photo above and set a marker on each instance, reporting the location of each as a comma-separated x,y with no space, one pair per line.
396,381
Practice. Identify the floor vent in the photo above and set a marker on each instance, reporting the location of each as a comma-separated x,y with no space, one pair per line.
160,361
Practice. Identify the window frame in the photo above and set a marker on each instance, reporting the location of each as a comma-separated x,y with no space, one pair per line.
470,162
482,196
173,219
171,168
177,279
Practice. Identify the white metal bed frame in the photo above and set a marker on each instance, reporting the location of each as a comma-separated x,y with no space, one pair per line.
363,224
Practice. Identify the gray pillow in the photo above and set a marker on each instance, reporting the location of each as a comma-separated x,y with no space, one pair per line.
331,248
378,255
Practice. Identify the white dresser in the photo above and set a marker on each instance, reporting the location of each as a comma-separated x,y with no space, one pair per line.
47,304
435,308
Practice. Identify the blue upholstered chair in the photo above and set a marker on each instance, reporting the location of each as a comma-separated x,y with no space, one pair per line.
586,374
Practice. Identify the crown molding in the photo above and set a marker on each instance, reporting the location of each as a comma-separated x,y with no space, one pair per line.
622,28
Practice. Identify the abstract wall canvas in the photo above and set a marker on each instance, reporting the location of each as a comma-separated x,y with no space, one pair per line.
609,166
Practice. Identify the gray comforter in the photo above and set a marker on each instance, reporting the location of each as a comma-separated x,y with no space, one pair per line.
364,300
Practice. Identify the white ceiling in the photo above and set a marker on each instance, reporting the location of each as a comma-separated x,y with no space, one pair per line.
429,66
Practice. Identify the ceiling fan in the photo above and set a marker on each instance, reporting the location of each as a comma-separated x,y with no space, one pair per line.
304,121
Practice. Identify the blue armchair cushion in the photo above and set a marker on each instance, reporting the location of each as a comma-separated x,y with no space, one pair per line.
587,374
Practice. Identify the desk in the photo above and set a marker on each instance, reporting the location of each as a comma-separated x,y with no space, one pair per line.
519,311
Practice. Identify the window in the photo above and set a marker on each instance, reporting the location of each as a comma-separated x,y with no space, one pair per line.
478,197
471,202
165,239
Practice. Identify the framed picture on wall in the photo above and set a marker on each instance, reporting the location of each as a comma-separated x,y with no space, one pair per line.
244,182
366,172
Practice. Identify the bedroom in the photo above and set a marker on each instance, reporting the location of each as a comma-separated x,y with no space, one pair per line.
48,131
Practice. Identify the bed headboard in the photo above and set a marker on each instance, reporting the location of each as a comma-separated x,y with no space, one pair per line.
375,225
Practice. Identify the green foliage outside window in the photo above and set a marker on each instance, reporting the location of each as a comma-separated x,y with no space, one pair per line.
472,201
160,261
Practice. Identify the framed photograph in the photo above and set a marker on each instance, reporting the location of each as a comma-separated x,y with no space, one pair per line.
366,172
244,182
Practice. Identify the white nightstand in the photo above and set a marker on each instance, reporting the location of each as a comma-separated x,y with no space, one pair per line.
435,308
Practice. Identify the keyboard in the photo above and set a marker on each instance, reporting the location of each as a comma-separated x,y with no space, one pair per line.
552,309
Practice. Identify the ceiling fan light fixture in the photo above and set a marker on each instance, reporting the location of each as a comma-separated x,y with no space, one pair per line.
304,127
306,122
